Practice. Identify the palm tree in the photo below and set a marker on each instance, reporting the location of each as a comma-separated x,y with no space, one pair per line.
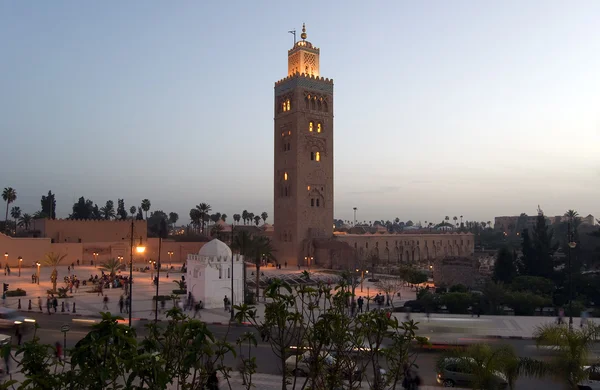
250,218
260,249
195,218
132,211
108,211
236,218
9,195
224,217
264,216
571,352
15,212
489,224
461,217
447,218
482,225
204,209
25,221
257,220
112,266
173,217
455,218
572,216
245,216
54,259
146,206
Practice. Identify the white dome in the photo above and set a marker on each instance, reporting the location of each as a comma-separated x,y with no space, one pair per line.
215,248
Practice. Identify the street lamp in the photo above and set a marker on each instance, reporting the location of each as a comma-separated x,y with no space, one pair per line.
170,253
362,277
140,248
6,258
120,259
95,258
572,244
20,261
38,272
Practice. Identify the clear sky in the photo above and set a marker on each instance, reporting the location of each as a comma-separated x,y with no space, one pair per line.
479,108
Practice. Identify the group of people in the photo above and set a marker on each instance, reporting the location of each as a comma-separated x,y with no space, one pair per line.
51,303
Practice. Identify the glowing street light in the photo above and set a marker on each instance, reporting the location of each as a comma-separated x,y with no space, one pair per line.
95,258
362,277
170,253
38,272
20,261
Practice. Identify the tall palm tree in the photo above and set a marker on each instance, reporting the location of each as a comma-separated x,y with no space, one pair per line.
257,219
571,352
236,218
260,249
9,195
461,217
264,216
572,215
455,218
250,218
447,218
112,266
224,217
146,206
25,221
132,211
245,216
54,259
195,218
204,209
15,212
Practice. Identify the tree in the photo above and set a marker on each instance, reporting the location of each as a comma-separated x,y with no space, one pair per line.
215,217
245,216
140,215
53,260
409,223
154,222
527,263
146,206
455,218
173,217
544,247
15,213
236,218
447,218
25,221
489,224
389,286
216,230
108,211
112,266
49,205
9,195
204,209
257,219
505,268
132,211
572,216
224,217
250,218
195,218
572,350
264,216
260,249
121,212
84,209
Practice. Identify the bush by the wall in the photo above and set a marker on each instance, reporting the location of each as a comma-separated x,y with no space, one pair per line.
16,293
180,292
457,302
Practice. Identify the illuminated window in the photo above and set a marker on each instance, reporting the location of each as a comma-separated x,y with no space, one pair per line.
289,132
317,202
285,177
312,203
308,188
310,126
287,103
283,106
318,127
318,156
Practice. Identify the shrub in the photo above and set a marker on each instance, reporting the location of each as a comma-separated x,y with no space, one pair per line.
161,298
461,288
250,298
180,292
16,293
457,302
533,284
525,303
578,307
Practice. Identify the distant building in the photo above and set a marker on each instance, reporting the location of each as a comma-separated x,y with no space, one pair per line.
508,224
209,275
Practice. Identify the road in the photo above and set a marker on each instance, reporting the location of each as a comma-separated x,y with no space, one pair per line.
267,362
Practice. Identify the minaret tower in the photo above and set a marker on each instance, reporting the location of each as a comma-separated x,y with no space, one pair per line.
303,164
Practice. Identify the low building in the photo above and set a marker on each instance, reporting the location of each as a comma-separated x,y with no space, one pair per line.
210,272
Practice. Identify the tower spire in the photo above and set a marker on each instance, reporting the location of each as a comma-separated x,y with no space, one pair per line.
303,35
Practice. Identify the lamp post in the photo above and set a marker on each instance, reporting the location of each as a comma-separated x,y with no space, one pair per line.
139,249
572,244
38,272
20,261
120,260
170,253
231,318
362,277
95,258
5,258
151,269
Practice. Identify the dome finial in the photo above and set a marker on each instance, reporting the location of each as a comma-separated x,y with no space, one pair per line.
303,35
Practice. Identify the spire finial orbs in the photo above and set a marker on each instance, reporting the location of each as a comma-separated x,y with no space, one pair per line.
303,35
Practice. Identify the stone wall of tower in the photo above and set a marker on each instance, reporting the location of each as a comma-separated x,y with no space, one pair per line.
303,204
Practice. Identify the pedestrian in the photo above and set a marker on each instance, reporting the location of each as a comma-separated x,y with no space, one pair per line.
121,304
127,304
6,356
8,269
226,303
196,309
78,262
55,303
162,306
285,264
360,302
19,335
48,304
105,300
59,353
73,266
212,383
40,303
69,270
32,278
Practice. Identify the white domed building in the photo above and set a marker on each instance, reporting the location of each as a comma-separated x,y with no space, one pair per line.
209,275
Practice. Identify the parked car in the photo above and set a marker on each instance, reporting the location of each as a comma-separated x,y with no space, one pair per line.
455,374
299,365
10,318
593,380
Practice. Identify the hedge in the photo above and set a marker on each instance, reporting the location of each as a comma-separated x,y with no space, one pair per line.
16,293
179,292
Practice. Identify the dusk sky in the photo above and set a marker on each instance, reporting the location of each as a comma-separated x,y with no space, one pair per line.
474,108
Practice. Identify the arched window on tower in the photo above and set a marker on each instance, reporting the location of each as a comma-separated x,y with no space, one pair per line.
283,107
318,156
317,202
319,127
312,202
319,106
310,126
325,108
307,102
289,146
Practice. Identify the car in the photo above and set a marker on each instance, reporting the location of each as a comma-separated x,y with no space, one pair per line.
4,340
299,365
10,319
455,374
593,380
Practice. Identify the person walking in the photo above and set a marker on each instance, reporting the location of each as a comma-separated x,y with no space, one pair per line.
360,302
59,351
19,335
55,303
48,304
105,300
226,303
40,304
196,309
121,304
